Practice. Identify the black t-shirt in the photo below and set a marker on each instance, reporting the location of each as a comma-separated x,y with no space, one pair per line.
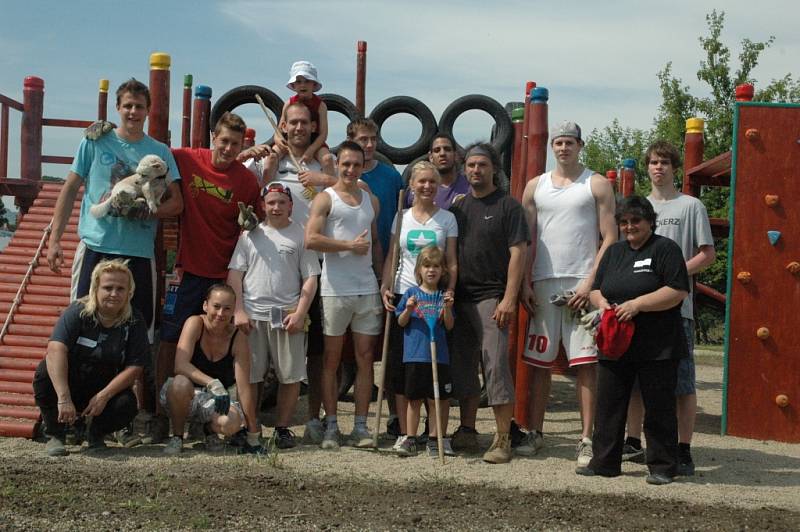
487,228
625,273
97,354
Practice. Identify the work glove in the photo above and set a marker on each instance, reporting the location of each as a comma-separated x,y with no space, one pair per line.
247,219
222,401
98,129
563,298
591,320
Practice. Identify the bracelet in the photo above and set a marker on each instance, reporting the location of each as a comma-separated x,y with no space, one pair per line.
64,402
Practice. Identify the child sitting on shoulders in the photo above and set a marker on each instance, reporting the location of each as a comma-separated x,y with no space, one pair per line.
303,81
416,303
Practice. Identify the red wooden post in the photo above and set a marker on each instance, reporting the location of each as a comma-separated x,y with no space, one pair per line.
361,77
102,100
186,118
529,86
534,165
693,145
31,126
627,179
611,175
517,179
3,140
201,112
158,119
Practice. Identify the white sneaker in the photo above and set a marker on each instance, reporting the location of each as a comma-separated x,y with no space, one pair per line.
399,442
584,452
174,446
530,445
330,441
315,431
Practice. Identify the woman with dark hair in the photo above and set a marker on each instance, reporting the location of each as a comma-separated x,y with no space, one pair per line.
95,353
641,279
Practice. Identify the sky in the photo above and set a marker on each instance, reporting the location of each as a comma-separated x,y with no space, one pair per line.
599,60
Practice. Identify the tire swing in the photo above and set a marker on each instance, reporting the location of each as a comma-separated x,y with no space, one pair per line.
242,95
408,105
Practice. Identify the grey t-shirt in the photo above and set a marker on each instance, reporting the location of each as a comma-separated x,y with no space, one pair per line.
684,219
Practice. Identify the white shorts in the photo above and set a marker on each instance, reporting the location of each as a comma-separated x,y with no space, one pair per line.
551,326
362,313
285,352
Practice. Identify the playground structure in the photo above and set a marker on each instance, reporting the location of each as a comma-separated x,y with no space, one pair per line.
757,343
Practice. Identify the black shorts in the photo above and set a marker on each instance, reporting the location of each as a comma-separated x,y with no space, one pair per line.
419,380
188,302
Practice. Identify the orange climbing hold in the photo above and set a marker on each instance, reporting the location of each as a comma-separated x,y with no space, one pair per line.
793,267
782,401
744,277
751,134
762,333
771,200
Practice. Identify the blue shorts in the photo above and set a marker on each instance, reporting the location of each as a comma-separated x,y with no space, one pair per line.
686,373
188,302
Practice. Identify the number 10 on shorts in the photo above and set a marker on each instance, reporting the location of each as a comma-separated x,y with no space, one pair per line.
537,343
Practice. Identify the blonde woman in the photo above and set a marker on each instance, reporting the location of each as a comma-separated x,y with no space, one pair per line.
95,353
423,224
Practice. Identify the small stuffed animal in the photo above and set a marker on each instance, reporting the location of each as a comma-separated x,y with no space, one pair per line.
247,219
146,186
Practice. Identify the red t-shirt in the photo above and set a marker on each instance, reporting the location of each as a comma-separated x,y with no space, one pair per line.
312,104
209,226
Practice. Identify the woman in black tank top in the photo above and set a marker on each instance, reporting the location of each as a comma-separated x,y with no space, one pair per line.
212,356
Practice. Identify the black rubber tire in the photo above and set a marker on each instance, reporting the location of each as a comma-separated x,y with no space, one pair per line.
405,104
340,104
242,95
407,171
504,130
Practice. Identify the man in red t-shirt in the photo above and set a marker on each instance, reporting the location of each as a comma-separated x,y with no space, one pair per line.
213,184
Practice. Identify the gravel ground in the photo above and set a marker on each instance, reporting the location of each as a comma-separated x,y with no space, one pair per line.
740,484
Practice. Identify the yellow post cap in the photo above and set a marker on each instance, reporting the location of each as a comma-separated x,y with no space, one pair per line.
160,61
103,85
694,125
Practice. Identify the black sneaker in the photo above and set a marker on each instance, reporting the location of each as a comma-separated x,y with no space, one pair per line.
632,454
685,466
465,439
517,434
284,438
96,440
239,439
422,439
393,428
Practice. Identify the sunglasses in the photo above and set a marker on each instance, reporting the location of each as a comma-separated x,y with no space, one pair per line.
634,220
276,187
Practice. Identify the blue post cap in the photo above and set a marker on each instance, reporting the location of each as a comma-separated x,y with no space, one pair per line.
629,163
540,95
202,91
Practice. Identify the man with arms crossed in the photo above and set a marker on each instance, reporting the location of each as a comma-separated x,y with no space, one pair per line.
571,213
342,225
684,219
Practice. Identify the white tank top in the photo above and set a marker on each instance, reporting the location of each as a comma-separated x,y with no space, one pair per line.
567,233
287,174
345,273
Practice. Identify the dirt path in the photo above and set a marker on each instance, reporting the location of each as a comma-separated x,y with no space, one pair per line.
740,484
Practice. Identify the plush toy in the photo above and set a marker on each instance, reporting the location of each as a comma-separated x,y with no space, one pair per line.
145,187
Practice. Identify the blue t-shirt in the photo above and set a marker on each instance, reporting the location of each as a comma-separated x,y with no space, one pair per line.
416,335
386,183
101,164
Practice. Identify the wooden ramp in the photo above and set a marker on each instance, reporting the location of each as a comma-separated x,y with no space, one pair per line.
41,302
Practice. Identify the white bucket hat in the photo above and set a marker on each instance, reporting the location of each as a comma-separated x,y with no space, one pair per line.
306,70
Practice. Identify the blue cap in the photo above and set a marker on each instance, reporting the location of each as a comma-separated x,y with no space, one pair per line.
540,95
629,163
202,91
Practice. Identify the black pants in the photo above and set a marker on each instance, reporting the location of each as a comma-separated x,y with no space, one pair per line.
118,413
657,380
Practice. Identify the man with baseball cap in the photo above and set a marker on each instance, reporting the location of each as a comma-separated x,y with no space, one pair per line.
567,208
275,279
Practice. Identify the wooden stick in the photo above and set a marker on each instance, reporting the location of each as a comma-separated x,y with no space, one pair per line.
438,418
395,258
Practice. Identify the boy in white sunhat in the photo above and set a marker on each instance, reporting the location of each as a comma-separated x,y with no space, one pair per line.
303,81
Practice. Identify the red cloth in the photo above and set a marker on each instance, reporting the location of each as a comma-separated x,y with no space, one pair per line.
614,336
312,104
209,226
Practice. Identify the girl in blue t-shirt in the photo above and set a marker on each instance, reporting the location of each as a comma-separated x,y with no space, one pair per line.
430,272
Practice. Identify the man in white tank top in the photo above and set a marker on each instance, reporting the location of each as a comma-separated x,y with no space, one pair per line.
342,225
571,213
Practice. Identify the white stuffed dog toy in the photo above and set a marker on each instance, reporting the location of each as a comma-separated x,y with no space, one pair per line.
147,185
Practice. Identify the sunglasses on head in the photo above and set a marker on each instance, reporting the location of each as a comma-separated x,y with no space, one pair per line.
276,187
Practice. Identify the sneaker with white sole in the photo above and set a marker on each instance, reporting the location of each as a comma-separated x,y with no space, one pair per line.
55,446
531,443
632,454
174,445
584,452
330,441
408,447
315,431
433,447
361,438
127,437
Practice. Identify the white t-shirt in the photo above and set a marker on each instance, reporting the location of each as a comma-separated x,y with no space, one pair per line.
414,236
287,174
275,262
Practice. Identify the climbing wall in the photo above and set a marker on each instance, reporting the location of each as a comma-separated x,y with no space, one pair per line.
762,384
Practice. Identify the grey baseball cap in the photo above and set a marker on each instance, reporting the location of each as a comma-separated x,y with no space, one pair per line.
565,129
